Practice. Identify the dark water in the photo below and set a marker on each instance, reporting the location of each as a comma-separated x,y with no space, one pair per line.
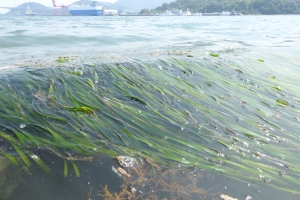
38,42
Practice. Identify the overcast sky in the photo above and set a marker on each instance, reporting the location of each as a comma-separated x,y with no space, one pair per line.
13,3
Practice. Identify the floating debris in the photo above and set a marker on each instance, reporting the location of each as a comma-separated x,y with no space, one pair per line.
248,197
63,59
226,197
260,60
213,54
116,171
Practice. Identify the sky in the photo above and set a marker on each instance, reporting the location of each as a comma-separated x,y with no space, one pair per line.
13,3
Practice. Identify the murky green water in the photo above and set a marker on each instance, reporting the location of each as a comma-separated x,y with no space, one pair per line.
207,106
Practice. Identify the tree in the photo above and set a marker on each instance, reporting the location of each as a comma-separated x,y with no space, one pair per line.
265,7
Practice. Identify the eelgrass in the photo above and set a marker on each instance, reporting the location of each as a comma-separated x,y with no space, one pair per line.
222,114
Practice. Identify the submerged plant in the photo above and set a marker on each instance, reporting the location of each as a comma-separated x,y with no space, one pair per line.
149,181
173,110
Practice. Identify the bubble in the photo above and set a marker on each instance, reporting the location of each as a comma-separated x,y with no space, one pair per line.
267,180
259,169
282,174
22,126
126,161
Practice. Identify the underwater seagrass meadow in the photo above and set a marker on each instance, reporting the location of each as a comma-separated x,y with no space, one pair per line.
192,118
232,113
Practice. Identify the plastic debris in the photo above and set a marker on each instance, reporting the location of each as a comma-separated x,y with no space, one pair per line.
248,197
133,190
116,171
226,197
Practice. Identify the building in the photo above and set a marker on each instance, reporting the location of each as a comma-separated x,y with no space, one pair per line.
110,12
176,12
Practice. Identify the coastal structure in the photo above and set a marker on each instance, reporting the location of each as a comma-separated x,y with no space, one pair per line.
172,13
107,12
187,13
59,9
176,12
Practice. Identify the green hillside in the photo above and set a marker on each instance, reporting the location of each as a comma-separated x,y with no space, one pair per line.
270,7
140,4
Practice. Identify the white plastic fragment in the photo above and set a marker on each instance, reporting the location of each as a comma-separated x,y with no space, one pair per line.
116,171
226,197
248,197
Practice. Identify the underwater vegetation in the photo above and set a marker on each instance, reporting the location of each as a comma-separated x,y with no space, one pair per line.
150,181
235,114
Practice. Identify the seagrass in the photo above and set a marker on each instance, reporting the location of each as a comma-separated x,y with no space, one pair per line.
238,116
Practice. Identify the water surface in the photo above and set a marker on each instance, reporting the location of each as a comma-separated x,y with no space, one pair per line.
227,104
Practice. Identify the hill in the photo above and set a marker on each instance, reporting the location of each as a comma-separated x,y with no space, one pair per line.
140,4
270,7
39,9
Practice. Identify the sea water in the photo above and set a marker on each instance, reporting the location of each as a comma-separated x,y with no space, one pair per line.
39,42
31,36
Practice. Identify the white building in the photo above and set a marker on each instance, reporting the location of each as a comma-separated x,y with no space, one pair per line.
110,12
